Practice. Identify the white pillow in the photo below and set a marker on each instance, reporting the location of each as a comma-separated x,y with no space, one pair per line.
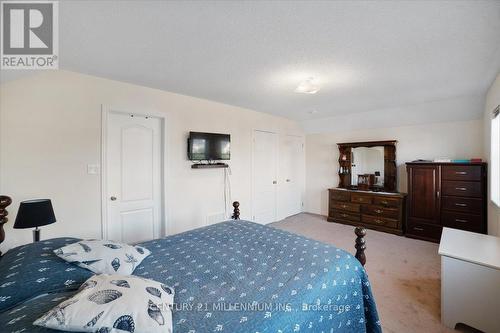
104,257
114,303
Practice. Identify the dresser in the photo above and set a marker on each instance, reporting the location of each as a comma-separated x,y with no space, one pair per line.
470,280
445,195
381,211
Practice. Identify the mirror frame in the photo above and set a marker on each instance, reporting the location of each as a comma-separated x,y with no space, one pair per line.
390,169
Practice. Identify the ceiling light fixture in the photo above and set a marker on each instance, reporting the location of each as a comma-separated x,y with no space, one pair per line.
307,86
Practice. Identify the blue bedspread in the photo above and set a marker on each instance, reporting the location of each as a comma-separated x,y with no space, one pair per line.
239,276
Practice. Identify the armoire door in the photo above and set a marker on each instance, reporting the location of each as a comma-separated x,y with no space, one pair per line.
424,194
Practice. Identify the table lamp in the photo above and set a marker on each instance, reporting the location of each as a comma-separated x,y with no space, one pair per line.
34,214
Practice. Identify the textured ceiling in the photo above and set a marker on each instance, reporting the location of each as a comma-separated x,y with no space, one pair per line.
365,55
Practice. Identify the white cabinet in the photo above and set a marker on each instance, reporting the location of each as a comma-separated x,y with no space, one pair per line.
470,280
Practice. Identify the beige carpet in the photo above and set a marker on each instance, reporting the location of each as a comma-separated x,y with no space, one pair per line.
404,272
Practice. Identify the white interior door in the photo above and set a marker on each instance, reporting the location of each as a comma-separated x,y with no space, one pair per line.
265,163
133,177
291,178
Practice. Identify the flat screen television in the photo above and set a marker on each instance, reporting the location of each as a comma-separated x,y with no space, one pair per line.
209,146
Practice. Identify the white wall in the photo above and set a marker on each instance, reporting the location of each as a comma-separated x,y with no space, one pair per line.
459,108
492,101
50,130
463,139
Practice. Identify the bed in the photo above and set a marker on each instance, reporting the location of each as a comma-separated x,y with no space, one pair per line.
234,276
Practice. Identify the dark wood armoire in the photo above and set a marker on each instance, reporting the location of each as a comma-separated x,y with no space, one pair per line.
445,195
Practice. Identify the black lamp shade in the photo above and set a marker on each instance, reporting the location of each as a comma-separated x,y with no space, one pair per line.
34,213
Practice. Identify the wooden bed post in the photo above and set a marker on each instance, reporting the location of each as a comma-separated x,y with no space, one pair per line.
360,244
236,211
4,202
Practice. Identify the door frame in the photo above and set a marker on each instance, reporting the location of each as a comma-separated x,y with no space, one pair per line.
252,176
105,111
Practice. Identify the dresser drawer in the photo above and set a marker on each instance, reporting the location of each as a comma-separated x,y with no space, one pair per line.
461,172
462,221
464,189
465,205
340,195
386,202
361,198
425,231
346,206
347,216
382,221
380,211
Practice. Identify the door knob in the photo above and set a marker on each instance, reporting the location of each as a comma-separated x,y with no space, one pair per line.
288,180
275,182
113,198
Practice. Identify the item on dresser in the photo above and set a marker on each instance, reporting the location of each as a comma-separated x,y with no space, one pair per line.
374,210
107,302
445,195
366,181
103,256
470,280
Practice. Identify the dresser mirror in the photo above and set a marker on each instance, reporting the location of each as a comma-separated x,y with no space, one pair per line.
369,166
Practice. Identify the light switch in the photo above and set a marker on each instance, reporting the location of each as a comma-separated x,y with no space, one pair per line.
93,169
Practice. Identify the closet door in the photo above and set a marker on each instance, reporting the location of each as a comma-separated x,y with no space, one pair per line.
291,176
264,175
424,194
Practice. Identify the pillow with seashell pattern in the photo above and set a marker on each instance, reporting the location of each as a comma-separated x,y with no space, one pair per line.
104,257
108,303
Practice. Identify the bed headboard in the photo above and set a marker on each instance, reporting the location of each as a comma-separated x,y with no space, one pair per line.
359,245
4,202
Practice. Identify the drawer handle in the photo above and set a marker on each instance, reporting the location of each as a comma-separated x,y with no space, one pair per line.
460,172
461,220
460,204
418,228
379,221
461,188
344,206
343,215
384,202
378,211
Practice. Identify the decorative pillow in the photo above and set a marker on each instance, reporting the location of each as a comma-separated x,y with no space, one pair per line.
114,302
33,269
100,256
